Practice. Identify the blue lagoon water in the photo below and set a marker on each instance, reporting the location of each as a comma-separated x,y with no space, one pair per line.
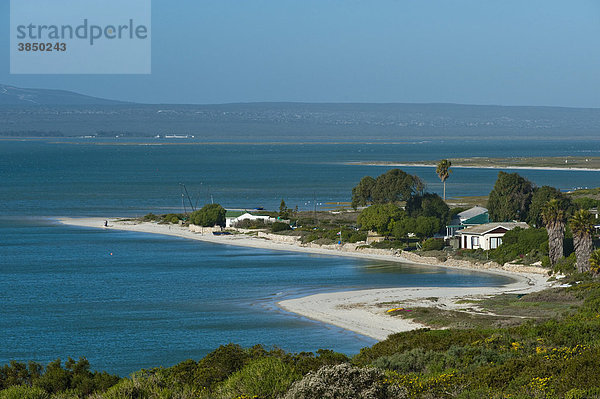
160,300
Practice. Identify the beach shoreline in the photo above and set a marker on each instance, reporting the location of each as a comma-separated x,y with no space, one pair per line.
359,311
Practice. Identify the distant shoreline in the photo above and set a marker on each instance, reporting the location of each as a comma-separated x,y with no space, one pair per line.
357,311
424,165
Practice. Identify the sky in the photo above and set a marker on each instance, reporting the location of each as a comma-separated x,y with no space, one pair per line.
508,52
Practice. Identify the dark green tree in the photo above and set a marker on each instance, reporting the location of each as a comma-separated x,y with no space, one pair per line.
586,203
361,193
421,226
396,185
427,226
378,217
284,212
510,198
541,196
401,228
430,205
210,215
393,186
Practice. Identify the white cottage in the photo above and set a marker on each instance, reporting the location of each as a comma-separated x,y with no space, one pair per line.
232,221
486,236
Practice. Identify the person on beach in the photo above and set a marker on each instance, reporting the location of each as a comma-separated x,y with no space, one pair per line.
106,223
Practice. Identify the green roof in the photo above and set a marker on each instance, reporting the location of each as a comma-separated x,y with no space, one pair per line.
479,219
234,214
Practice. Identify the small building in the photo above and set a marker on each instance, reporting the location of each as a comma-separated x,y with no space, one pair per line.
486,236
231,216
373,237
471,217
234,217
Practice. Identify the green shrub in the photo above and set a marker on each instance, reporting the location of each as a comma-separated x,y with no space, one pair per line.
267,377
414,360
435,340
577,393
310,237
586,203
219,365
279,226
566,265
344,381
150,217
171,218
518,243
355,236
24,392
251,224
476,254
70,394
150,385
388,244
433,244
305,362
210,215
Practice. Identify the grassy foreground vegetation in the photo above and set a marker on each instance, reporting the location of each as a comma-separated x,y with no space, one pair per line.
554,356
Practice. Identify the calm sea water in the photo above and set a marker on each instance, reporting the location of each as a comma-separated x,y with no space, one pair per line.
160,300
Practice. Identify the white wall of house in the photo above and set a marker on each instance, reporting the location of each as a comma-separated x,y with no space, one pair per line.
485,241
231,222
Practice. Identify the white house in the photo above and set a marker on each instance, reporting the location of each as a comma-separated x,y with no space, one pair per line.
486,236
232,220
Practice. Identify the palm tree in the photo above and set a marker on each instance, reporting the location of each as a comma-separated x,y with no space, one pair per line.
582,226
595,262
443,171
554,218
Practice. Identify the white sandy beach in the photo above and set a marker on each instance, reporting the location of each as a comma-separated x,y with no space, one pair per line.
363,311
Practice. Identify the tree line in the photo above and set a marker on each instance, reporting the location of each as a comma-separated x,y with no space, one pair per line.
399,207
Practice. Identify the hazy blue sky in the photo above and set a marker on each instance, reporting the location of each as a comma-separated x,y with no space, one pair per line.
508,52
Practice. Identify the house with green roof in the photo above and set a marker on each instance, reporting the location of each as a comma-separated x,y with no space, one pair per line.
471,217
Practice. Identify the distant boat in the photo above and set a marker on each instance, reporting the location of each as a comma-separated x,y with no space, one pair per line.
221,233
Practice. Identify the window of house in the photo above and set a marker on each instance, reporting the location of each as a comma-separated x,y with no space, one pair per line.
495,242
474,242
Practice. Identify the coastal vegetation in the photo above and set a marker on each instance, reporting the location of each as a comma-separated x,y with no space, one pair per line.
539,345
209,215
406,217
510,198
393,186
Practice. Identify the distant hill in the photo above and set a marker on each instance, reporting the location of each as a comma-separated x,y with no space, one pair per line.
10,95
57,113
